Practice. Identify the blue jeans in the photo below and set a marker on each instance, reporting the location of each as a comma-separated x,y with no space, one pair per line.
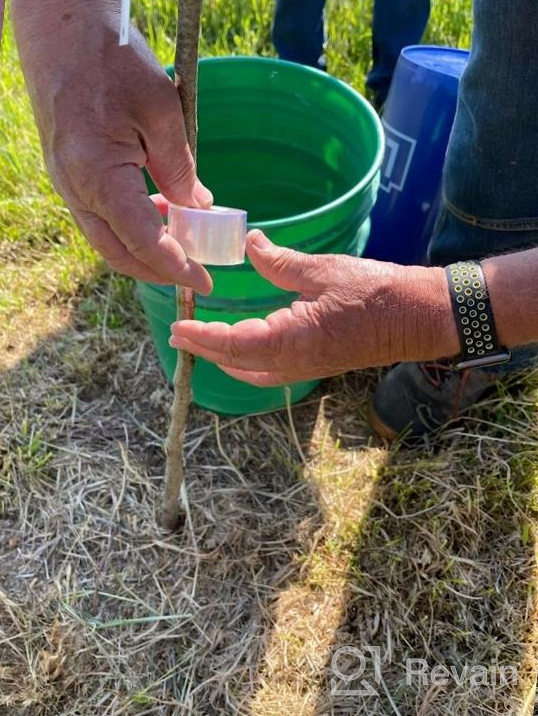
490,179
298,35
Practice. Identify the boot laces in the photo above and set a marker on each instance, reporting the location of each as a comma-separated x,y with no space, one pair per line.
438,372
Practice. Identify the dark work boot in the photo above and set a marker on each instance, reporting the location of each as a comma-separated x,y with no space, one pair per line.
422,397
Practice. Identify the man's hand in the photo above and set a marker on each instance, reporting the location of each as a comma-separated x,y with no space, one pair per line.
104,111
352,313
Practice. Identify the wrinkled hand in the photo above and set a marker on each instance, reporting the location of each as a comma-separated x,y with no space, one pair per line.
352,313
104,111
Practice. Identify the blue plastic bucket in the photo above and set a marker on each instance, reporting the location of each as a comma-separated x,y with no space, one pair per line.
417,120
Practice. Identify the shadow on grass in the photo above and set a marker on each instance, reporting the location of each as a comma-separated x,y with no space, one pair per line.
443,570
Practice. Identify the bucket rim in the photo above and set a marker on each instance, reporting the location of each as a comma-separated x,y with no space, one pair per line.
406,51
373,117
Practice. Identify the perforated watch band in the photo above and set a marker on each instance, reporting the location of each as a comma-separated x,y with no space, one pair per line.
474,317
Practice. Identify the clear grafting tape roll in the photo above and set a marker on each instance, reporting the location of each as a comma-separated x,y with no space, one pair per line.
215,236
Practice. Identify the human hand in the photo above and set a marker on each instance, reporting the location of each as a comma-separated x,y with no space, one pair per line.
352,313
104,111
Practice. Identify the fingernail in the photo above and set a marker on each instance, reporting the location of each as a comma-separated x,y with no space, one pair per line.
259,240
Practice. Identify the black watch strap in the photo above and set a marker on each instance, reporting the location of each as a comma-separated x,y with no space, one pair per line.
474,317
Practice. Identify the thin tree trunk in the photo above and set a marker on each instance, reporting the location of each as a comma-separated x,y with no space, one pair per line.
186,69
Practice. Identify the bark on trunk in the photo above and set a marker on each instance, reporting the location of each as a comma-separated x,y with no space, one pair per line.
186,70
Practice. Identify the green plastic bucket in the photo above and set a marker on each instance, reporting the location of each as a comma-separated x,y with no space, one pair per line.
301,152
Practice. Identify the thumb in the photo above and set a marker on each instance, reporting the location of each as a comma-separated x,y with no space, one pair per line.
285,268
171,165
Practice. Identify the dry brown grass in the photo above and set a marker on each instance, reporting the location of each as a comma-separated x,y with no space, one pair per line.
301,536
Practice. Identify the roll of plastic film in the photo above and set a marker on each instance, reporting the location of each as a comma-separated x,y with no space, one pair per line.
215,236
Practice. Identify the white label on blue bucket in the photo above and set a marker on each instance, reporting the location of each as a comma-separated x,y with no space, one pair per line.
399,152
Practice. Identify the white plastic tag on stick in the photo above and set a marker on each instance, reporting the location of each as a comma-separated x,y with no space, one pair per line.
124,21
2,8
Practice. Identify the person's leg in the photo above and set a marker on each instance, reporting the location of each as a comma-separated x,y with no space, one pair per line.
396,23
298,32
490,195
490,201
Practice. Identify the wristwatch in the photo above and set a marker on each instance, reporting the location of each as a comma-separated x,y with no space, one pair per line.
474,317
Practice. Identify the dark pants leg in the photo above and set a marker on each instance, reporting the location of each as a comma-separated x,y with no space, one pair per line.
298,33
396,23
